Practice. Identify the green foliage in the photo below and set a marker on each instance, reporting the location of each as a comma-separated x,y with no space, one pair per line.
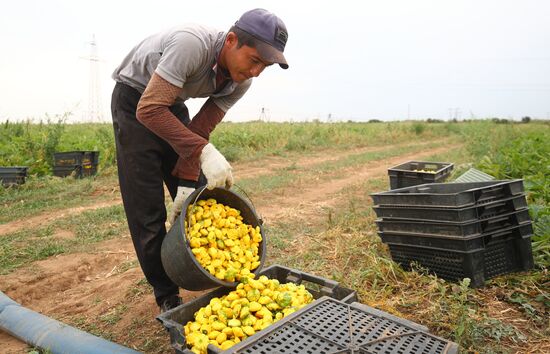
244,141
418,128
462,309
34,144
527,156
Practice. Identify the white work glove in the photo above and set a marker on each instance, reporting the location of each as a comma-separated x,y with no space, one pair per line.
181,196
215,167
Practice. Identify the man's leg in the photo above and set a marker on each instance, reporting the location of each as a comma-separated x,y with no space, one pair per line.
142,160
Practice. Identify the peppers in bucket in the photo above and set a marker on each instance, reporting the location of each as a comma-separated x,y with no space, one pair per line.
218,240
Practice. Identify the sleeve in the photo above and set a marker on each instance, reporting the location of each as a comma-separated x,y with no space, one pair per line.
202,124
154,113
226,102
182,56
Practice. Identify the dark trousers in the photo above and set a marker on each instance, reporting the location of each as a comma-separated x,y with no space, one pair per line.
145,162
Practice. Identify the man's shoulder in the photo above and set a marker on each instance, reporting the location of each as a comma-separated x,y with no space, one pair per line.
204,33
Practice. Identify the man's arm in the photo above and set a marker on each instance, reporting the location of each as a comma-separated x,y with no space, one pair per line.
202,124
153,112
205,121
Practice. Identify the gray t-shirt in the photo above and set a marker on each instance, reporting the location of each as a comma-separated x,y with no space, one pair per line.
184,56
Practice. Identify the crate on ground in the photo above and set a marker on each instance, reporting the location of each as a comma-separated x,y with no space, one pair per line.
175,319
71,158
454,243
461,214
413,173
478,258
13,175
65,171
450,195
332,326
76,163
437,227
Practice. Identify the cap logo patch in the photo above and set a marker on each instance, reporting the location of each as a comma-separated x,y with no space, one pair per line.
281,36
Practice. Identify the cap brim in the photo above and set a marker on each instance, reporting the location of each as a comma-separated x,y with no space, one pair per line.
271,54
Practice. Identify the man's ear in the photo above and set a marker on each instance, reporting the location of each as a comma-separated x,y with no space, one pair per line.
231,39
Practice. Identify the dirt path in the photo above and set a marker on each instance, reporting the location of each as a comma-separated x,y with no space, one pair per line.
308,202
269,165
107,283
49,217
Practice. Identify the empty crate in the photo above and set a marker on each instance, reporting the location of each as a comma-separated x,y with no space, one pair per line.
10,176
76,163
479,259
413,173
332,326
451,195
459,214
454,229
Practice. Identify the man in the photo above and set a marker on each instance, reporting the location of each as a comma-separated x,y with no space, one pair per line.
156,141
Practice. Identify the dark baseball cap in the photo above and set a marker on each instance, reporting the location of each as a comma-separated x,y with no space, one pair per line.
270,34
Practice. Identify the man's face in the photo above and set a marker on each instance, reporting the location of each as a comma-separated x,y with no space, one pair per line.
243,63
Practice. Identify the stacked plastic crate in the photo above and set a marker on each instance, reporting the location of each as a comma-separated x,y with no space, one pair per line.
475,230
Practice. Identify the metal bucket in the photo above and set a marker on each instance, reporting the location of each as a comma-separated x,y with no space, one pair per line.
180,263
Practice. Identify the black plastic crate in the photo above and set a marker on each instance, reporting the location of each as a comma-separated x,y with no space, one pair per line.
13,175
410,173
456,229
451,195
502,253
65,171
464,214
89,170
332,326
453,243
175,319
72,158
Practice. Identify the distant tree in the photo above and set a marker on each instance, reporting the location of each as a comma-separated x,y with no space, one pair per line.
374,121
526,119
501,121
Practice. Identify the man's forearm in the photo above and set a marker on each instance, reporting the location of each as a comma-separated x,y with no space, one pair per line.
204,122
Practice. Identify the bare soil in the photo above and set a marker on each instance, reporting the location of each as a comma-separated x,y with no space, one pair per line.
107,283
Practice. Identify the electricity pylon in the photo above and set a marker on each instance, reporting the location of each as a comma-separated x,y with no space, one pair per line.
95,113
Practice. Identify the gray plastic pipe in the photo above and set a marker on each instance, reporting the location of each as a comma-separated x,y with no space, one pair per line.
44,332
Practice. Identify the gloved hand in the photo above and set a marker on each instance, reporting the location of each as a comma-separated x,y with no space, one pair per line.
215,167
181,196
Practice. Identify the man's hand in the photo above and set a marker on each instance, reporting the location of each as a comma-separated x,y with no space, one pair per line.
215,167
181,196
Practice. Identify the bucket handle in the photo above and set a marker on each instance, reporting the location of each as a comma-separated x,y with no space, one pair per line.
260,219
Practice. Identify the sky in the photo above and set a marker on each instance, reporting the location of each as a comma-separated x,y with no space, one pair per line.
349,60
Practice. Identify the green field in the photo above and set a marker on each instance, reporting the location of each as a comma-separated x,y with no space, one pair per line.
342,244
